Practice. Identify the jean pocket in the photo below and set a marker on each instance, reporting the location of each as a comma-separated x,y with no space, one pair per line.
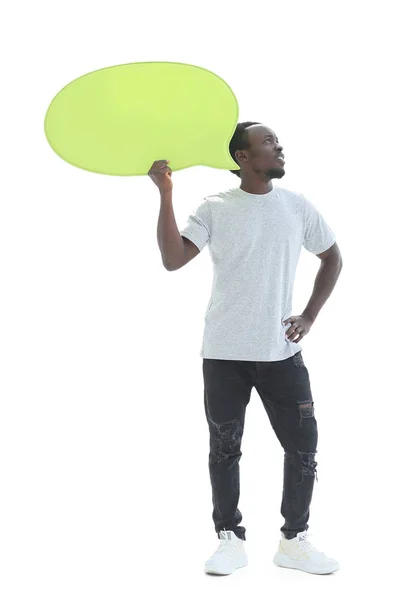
298,360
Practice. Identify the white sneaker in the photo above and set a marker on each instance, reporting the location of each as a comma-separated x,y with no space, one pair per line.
299,553
229,556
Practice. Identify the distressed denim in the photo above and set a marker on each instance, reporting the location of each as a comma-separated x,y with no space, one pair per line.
285,391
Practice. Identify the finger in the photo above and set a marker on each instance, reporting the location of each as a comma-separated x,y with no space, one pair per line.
297,332
291,330
160,169
159,164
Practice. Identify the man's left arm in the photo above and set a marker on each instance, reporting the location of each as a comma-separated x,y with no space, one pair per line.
325,281
326,278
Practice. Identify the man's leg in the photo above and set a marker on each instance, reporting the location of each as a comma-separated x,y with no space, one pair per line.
227,390
285,390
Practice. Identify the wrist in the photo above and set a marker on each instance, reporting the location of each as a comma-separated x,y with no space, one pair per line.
308,315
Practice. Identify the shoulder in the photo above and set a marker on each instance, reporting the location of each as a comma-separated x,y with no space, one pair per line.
293,200
291,194
221,198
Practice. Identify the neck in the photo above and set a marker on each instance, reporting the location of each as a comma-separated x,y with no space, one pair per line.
255,185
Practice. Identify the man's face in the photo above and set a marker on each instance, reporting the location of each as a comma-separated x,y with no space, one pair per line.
263,156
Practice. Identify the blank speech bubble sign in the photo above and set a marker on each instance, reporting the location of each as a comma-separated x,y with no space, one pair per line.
119,120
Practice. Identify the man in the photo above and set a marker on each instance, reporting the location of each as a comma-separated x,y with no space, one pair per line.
255,234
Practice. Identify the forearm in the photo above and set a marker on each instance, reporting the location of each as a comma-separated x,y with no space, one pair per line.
325,282
169,238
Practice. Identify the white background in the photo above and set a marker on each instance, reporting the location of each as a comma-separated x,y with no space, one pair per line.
105,491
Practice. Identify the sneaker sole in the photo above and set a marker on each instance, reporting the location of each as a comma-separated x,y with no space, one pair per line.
216,571
281,560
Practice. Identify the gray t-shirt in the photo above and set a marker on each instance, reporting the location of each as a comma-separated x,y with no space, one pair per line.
255,242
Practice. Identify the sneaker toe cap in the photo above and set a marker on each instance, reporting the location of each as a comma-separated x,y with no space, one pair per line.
329,564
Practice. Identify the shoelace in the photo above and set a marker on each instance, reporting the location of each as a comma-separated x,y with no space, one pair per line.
227,544
303,544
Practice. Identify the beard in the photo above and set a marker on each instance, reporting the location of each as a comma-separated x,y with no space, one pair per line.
274,173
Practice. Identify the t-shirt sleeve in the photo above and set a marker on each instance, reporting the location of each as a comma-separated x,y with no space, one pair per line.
318,236
198,227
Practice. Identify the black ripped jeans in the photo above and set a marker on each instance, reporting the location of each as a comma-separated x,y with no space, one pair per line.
285,391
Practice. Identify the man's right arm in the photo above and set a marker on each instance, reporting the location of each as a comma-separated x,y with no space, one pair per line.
176,250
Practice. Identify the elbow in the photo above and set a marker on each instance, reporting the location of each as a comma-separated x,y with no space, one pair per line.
334,259
167,266
170,267
173,264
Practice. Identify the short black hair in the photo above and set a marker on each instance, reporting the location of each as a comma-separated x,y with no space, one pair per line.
240,141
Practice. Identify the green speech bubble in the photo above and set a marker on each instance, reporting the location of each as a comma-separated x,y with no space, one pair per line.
119,120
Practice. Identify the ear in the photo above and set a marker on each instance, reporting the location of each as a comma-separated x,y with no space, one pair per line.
241,156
